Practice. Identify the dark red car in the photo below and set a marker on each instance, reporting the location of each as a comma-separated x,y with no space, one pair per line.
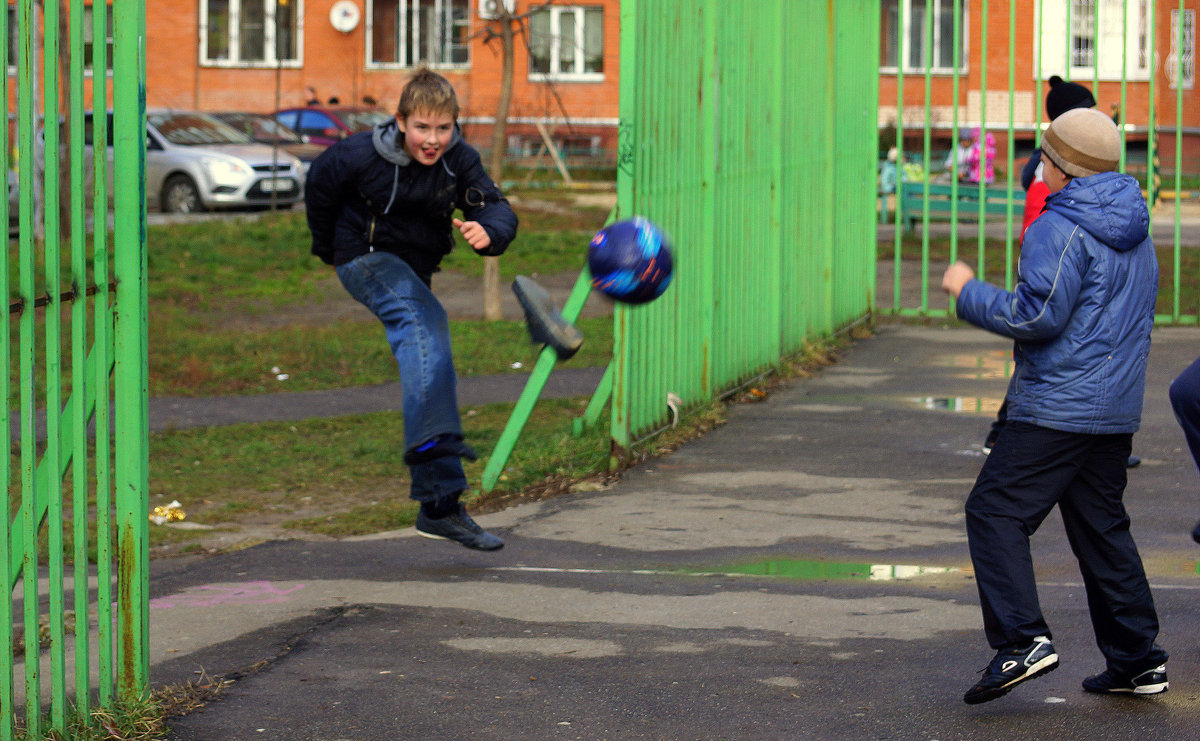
326,124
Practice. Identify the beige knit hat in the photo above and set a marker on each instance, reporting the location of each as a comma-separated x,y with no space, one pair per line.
1083,142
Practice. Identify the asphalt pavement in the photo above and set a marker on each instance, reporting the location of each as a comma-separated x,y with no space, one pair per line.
799,573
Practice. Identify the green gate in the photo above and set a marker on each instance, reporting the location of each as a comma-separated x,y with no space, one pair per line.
74,632
748,136
950,66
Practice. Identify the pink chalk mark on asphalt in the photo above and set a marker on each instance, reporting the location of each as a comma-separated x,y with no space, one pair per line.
215,595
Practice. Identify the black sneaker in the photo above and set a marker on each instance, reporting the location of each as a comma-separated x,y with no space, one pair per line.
545,324
1011,667
1150,682
458,527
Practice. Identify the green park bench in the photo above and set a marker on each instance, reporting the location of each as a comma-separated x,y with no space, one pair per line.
995,202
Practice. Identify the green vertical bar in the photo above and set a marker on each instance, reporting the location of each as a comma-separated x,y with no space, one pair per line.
7,690
983,70
772,289
1152,127
831,172
1124,75
26,115
102,330
53,358
1069,41
708,190
928,54
79,283
630,157
1179,135
1039,24
901,43
1011,151
132,429
1096,50
954,133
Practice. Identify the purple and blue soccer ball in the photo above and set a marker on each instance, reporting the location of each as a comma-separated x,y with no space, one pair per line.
630,261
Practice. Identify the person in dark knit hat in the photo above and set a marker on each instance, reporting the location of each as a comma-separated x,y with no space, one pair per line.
1065,96
1080,316
1062,97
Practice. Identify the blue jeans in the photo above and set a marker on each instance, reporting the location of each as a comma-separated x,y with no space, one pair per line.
419,333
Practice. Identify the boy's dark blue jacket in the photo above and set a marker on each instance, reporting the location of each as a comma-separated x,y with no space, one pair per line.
1082,309
365,193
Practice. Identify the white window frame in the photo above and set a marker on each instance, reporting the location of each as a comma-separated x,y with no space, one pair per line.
88,27
269,46
1054,47
1188,53
556,46
443,12
940,7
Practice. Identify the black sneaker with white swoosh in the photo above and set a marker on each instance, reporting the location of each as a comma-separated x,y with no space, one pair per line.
1011,667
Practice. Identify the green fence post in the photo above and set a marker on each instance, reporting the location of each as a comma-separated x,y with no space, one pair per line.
131,384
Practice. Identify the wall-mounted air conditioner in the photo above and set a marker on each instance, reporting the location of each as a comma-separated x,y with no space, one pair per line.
489,10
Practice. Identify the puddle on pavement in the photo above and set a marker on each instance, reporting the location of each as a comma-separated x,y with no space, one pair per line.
792,568
961,404
991,364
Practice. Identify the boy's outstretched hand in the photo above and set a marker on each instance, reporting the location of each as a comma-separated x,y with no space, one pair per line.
475,234
955,277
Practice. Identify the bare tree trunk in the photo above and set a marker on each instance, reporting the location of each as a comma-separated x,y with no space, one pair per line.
491,267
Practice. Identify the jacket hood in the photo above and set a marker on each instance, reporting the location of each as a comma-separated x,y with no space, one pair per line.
1108,206
389,142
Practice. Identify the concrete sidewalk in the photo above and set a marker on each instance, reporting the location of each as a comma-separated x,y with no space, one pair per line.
800,572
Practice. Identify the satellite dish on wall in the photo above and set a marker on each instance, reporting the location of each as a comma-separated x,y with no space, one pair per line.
343,16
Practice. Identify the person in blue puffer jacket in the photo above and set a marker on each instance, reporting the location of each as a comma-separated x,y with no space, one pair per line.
1080,317
380,206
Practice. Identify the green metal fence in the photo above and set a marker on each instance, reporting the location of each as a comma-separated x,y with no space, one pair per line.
748,136
74,633
950,66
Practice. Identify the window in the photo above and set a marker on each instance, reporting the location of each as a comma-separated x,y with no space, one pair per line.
89,34
1181,60
1078,35
89,38
404,33
567,43
250,33
909,19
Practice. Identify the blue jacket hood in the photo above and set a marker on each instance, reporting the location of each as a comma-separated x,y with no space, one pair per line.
1108,206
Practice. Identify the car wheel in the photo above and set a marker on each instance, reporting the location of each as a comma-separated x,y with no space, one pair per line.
181,196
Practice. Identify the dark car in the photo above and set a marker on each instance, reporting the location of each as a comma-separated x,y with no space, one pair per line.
265,129
325,125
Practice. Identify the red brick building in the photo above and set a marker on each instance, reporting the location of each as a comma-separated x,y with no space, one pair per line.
260,55
1098,43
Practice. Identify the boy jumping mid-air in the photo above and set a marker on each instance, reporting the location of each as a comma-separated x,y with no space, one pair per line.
381,210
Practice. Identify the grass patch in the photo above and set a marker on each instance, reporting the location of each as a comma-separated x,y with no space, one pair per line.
344,476
191,360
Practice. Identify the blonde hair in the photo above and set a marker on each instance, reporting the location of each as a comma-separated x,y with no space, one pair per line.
427,91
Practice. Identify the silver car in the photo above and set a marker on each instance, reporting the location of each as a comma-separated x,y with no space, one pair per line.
195,162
